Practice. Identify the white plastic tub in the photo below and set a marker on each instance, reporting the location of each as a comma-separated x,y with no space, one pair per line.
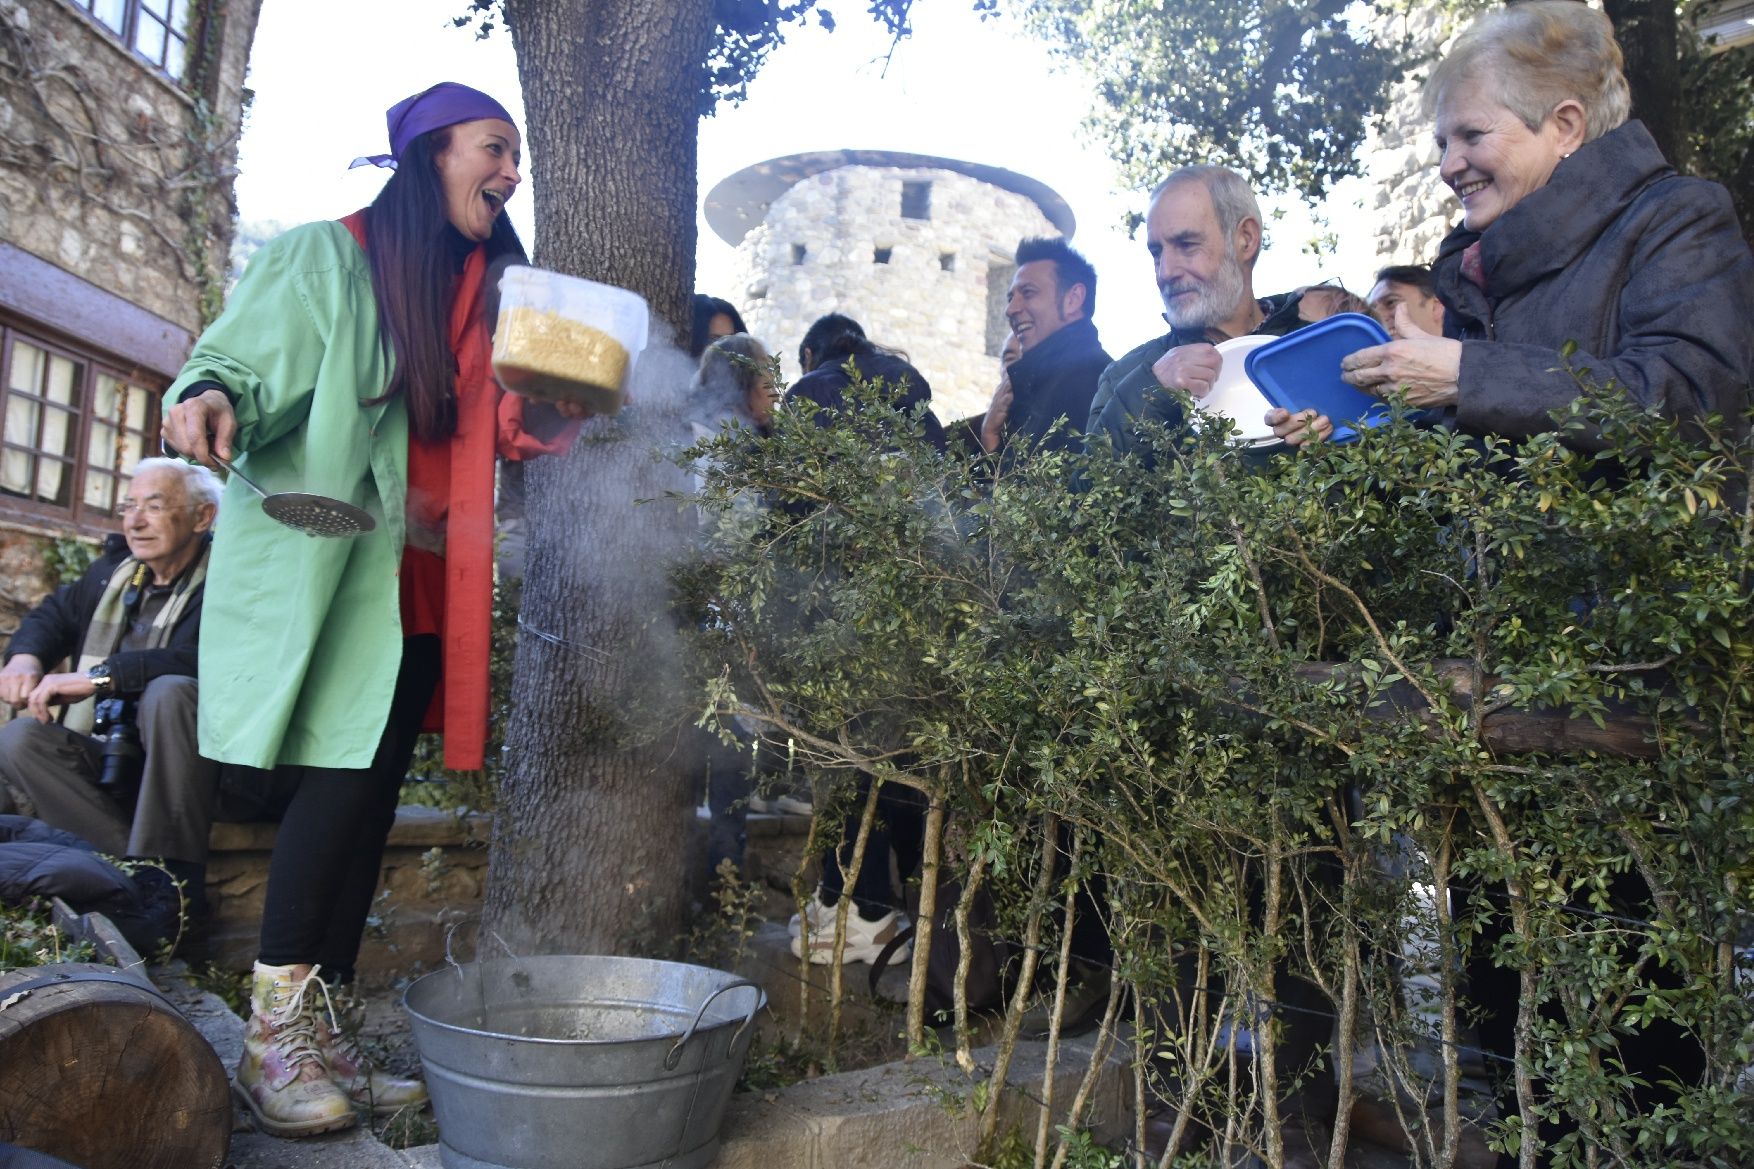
562,339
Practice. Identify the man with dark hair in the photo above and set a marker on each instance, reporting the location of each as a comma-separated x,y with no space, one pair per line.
1410,285
1049,306
1203,230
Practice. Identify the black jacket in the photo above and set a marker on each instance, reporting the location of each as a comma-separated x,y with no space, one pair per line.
37,861
1644,269
1056,379
826,387
1128,393
55,629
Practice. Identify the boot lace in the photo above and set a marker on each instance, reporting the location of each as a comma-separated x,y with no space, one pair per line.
294,1026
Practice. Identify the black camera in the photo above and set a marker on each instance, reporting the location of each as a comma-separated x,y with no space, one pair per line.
123,759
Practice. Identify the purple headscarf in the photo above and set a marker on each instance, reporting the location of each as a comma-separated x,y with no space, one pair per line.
445,104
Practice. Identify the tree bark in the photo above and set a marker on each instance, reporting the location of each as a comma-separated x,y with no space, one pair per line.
1649,33
589,851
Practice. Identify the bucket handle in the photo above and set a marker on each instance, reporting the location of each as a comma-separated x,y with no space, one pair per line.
675,1054
452,933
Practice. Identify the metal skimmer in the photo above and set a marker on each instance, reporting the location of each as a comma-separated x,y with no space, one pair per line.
314,515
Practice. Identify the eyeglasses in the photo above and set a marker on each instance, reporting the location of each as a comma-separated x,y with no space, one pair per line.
151,509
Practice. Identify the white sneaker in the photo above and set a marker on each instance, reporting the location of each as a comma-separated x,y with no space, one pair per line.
865,939
821,916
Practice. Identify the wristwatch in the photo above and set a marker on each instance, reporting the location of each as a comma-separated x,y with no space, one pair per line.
101,681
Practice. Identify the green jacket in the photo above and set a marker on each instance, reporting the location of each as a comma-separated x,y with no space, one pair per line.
301,636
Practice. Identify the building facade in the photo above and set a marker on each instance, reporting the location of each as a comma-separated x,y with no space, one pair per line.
917,249
119,122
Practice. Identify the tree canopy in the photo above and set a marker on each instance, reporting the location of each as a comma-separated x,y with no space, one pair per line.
1281,91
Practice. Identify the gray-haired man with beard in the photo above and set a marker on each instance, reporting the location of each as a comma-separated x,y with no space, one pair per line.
1203,230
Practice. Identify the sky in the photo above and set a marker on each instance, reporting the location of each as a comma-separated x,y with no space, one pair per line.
960,87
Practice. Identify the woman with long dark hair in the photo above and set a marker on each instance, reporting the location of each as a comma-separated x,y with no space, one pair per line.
352,361
835,355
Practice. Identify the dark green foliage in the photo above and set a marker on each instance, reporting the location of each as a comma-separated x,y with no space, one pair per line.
1281,91
1185,667
747,31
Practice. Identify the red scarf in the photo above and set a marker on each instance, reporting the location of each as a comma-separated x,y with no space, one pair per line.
450,481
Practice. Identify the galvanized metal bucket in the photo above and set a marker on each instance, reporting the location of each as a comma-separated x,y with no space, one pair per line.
571,1062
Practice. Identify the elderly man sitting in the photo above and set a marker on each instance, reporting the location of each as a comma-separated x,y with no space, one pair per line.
129,626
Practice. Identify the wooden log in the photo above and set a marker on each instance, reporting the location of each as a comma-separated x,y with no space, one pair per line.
1512,730
99,1070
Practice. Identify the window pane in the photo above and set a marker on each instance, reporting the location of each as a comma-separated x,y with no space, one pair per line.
149,38
158,8
106,397
15,471
113,14
59,427
27,372
173,57
100,491
53,478
180,16
100,451
22,416
63,384
131,450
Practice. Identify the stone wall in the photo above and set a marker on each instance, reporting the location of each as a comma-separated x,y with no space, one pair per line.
930,298
1413,209
112,171
435,866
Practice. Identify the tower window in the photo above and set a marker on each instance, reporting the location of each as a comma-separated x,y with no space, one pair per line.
881,255
916,200
947,261
799,251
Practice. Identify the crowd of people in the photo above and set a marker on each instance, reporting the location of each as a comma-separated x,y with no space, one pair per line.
353,359
1582,258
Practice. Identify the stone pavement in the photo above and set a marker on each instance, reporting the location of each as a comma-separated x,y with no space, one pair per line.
886,1117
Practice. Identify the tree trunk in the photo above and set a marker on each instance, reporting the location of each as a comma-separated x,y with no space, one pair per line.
590,840
1649,34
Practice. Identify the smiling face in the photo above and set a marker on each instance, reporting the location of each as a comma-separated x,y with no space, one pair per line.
1491,160
1200,272
478,171
1035,306
1425,311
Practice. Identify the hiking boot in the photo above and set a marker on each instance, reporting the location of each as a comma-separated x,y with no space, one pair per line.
282,1078
354,1073
865,939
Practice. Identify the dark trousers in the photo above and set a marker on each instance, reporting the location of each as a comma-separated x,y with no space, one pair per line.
899,826
327,857
1659,1051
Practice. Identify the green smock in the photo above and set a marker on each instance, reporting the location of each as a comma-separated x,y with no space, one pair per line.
301,637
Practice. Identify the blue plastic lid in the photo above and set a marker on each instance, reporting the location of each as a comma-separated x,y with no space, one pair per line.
1301,371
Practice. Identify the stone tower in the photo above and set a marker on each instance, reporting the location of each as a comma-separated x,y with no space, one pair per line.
915,248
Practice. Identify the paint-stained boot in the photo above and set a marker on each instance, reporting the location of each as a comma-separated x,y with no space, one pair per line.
353,1072
282,1078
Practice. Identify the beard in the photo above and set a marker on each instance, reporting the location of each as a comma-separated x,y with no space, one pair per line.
1208,302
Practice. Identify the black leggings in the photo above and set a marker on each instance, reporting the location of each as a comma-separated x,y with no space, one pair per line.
326,859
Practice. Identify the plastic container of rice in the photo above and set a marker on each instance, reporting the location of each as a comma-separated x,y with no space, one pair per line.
562,339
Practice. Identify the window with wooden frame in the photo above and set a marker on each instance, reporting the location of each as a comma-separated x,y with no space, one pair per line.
159,31
72,426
